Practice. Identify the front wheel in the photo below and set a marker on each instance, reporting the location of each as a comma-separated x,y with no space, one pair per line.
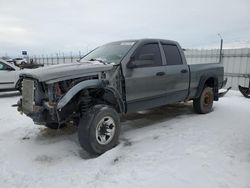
204,103
99,129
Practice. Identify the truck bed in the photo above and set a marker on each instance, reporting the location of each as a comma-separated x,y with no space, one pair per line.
200,70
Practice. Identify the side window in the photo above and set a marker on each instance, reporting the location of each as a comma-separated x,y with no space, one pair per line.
149,55
2,67
172,54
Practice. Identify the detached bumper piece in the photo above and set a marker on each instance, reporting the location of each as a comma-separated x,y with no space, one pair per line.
245,91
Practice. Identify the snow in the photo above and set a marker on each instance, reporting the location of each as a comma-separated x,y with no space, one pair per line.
163,147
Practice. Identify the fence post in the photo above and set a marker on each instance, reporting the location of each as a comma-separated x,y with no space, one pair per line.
63,58
47,58
52,59
57,58
221,46
80,55
43,58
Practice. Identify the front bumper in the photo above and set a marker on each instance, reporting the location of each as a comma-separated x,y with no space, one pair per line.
34,105
39,114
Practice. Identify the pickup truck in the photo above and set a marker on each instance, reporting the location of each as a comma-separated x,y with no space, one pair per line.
114,79
9,76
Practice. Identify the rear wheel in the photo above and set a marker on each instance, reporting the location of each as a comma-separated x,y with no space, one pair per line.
204,103
99,130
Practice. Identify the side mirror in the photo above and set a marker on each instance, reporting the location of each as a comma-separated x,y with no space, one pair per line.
131,64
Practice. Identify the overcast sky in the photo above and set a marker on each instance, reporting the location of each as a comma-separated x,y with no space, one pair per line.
50,26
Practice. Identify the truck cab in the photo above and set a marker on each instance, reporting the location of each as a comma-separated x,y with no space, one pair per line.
159,72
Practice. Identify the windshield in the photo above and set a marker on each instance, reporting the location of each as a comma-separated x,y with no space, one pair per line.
109,53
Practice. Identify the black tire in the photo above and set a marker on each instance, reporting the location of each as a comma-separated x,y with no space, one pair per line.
204,103
19,86
88,134
20,90
54,125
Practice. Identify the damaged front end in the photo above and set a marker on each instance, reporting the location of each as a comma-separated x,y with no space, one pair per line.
40,100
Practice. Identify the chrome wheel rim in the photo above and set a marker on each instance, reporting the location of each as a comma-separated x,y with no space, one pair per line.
105,130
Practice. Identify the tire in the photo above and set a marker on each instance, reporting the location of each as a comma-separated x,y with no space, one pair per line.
19,86
54,125
20,91
99,129
204,103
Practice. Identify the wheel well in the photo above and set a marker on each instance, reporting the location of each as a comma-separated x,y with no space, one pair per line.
213,83
111,99
100,96
85,99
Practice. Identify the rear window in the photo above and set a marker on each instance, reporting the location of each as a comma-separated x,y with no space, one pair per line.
173,56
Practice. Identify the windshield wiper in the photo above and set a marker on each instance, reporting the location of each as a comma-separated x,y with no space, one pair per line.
99,60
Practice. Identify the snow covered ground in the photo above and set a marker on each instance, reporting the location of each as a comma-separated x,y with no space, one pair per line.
163,147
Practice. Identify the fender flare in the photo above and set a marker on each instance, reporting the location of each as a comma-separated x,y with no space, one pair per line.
118,98
202,83
75,89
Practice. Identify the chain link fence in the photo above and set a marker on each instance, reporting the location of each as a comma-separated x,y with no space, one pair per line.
55,59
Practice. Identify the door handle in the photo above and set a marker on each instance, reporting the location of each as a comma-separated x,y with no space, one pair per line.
184,71
160,73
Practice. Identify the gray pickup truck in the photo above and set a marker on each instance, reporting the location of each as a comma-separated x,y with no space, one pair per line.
114,79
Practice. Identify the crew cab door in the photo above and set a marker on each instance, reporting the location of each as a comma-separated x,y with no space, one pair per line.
7,76
177,72
145,78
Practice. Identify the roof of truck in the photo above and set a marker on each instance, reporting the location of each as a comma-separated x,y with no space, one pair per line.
147,40
162,40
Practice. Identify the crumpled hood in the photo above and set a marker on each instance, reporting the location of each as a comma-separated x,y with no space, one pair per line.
62,71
